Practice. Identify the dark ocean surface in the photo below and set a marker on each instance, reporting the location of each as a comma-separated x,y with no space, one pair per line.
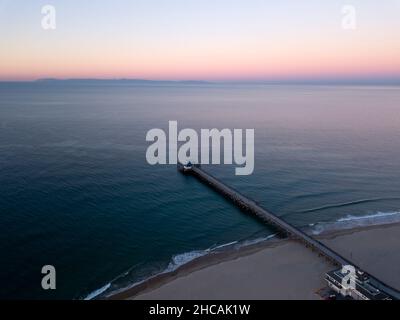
76,191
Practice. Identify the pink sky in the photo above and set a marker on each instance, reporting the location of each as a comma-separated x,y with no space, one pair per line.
207,42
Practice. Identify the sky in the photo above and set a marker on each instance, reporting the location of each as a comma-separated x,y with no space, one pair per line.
226,40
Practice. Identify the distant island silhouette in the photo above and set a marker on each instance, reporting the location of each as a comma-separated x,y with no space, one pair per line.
123,81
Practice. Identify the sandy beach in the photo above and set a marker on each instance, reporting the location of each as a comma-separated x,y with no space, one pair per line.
279,269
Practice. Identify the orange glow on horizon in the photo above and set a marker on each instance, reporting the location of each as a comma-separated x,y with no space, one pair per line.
231,54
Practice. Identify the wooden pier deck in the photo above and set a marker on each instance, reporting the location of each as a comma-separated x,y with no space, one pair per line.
248,205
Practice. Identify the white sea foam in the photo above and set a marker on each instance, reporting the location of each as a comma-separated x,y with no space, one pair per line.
352,221
224,245
255,241
183,258
347,222
98,292
375,216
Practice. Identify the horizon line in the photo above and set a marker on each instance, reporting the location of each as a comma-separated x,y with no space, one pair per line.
355,80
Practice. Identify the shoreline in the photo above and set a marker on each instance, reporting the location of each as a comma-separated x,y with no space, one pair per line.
200,263
215,259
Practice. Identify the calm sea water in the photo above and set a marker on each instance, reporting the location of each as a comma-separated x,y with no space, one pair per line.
77,193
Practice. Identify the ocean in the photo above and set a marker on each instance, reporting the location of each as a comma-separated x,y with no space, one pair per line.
76,191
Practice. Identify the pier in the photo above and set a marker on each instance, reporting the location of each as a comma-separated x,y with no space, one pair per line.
250,206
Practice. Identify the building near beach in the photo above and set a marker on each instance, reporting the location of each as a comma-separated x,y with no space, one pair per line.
357,285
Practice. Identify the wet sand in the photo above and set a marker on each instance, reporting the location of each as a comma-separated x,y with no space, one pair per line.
280,269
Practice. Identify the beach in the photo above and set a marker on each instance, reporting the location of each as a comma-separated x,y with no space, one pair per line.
278,269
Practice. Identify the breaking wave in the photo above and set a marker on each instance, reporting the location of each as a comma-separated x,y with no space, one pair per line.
352,221
184,258
180,260
347,204
344,223
98,292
